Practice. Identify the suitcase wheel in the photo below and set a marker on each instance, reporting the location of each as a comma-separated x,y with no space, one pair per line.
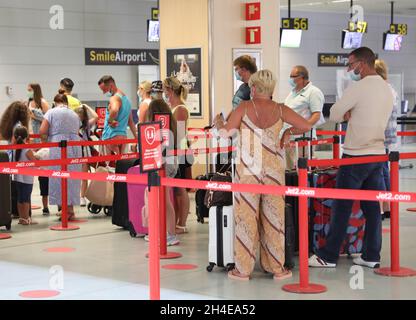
8,226
230,267
93,208
133,233
210,267
108,211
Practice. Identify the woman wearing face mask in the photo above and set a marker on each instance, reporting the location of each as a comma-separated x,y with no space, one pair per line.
260,219
38,106
61,123
175,95
143,93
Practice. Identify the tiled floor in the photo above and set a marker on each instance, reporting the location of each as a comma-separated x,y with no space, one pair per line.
108,264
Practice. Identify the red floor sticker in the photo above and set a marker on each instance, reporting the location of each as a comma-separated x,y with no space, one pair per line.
411,209
4,236
386,230
39,294
62,250
35,207
180,266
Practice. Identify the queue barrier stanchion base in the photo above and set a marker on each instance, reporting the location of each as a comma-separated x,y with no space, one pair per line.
411,209
60,228
402,272
312,288
5,236
168,255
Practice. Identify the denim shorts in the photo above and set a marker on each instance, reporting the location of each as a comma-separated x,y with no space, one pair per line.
24,192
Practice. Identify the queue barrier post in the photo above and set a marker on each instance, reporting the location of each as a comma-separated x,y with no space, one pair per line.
335,150
64,192
164,254
303,286
395,270
154,263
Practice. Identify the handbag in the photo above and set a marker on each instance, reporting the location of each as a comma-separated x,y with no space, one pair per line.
219,198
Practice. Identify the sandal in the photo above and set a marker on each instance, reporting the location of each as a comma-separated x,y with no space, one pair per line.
26,222
283,275
235,275
71,217
181,229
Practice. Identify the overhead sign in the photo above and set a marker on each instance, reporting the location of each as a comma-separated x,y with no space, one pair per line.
295,23
332,59
398,28
101,56
359,26
164,119
253,11
150,147
155,13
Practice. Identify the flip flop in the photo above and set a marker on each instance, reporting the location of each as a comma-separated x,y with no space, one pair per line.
282,276
181,229
232,275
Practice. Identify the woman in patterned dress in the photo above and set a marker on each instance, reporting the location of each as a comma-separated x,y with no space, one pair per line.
61,123
260,219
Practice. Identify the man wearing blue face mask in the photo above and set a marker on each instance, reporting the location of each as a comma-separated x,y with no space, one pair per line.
366,105
244,67
118,114
307,101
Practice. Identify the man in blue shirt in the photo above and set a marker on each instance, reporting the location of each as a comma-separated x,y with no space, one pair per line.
244,67
306,100
118,114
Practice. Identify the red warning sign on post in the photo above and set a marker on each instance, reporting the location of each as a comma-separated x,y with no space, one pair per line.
164,119
253,35
101,117
253,11
150,148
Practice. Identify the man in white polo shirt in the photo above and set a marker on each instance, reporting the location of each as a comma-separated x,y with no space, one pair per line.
306,100
366,105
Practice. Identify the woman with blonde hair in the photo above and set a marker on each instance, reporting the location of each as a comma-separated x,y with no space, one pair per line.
260,219
143,93
175,94
390,133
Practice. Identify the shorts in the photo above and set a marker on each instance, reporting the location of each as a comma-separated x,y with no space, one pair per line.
24,192
44,186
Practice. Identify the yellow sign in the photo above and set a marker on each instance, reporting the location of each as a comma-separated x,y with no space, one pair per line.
295,23
398,28
155,13
359,26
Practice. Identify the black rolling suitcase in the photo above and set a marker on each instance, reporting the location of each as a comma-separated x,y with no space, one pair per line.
5,196
120,216
290,237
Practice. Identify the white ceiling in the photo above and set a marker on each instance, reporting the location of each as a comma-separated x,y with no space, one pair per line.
401,7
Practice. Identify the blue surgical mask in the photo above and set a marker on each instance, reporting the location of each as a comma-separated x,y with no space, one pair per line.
165,97
292,83
140,98
354,76
108,94
30,94
237,76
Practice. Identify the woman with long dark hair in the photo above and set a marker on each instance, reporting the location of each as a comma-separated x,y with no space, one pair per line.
38,106
88,118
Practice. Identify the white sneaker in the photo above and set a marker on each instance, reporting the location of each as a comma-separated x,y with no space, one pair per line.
317,262
361,262
172,240
146,238
83,202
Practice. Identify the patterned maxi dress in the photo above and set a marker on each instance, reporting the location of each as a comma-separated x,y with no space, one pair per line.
260,217
64,125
